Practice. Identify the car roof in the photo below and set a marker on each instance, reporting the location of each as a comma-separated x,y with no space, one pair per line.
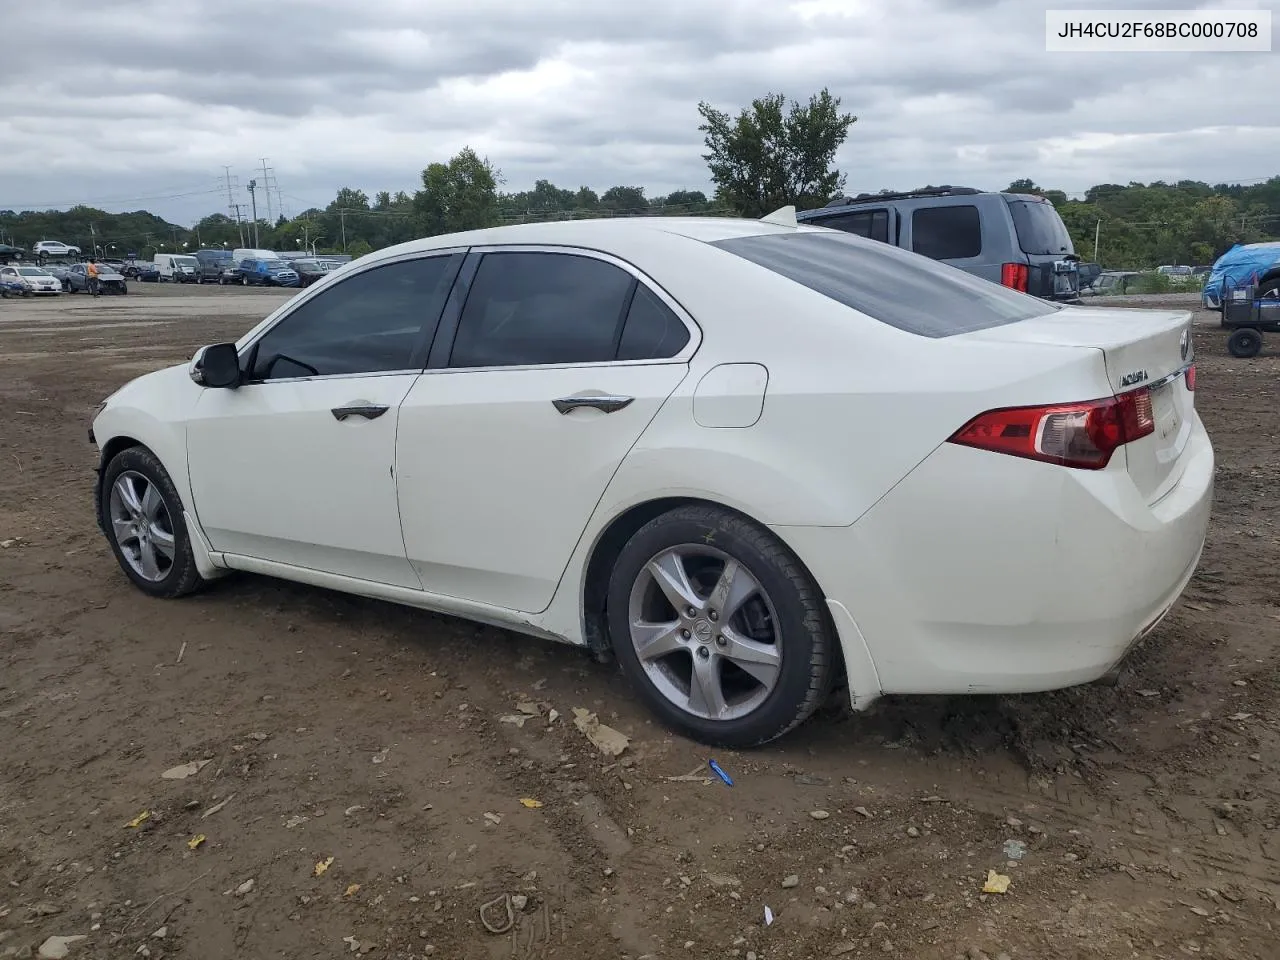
600,233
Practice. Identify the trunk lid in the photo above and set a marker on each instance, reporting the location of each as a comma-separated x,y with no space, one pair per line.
1141,350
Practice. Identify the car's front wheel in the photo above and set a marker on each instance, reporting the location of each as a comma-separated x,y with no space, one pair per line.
142,516
719,627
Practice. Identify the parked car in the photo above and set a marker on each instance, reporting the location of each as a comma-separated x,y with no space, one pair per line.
54,248
10,253
59,272
731,548
211,265
309,271
1089,274
109,281
1113,283
268,273
141,270
177,267
1014,239
29,281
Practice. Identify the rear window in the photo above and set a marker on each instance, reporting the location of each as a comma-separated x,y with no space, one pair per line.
1041,231
906,291
947,233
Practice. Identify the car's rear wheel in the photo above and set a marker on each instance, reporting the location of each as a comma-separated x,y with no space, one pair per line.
142,516
719,628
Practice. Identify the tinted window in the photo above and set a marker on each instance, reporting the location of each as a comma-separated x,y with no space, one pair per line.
527,308
377,320
1040,229
895,287
872,224
652,331
946,233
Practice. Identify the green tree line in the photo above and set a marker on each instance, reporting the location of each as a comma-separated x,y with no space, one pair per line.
772,153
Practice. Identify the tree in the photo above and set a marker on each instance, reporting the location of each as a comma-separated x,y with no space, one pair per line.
625,199
459,195
349,198
772,155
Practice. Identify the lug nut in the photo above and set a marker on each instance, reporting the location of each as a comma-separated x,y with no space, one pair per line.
703,652
713,615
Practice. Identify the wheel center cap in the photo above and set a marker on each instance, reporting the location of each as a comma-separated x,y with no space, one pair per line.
702,629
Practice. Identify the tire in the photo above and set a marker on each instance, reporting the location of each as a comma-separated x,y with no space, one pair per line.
1244,343
780,628
166,577
244,281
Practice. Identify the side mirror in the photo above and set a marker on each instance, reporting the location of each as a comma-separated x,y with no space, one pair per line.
217,366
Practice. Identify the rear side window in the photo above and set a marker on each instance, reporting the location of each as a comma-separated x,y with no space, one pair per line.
901,289
540,308
652,331
1041,231
872,224
947,233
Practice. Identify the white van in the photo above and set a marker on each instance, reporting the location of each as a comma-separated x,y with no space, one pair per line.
177,267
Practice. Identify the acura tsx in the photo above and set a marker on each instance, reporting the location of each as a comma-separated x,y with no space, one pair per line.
757,461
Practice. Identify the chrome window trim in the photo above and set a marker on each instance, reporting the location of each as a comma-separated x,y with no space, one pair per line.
683,315
290,306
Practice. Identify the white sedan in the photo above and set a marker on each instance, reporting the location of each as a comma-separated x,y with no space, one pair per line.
757,462
29,280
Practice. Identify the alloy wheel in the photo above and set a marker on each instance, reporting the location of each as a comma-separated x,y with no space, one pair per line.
705,632
141,526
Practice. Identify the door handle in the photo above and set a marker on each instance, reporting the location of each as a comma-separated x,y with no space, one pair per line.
370,411
605,403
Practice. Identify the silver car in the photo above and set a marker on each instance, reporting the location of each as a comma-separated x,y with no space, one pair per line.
109,281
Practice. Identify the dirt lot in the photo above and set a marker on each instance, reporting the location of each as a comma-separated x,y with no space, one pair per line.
367,737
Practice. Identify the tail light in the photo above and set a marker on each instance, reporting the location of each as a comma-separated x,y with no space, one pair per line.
1082,435
1190,377
1014,275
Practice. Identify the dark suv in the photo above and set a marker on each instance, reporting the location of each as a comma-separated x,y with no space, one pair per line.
1014,239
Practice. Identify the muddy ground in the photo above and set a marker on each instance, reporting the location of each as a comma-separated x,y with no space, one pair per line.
367,737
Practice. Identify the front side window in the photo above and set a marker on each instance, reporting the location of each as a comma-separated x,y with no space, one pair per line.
539,308
376,321
947,233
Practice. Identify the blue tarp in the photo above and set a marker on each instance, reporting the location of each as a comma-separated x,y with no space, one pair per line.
1239,266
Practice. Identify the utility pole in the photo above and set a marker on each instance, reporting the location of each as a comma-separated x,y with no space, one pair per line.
266,183
342,216
232,207
1097,233
253,185
93,241
239,222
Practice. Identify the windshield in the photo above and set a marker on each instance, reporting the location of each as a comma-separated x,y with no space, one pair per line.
276,265
1041,231
185,261
34,272
904,290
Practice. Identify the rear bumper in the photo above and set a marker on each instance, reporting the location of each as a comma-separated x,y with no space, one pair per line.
987,574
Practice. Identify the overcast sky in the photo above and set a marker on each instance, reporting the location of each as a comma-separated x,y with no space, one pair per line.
127,104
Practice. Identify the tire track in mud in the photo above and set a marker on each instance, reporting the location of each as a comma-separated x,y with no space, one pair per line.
1207,849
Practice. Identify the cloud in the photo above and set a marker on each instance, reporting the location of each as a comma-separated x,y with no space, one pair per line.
120,102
